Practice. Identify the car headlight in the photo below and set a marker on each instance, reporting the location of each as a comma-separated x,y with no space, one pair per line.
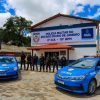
71,77
15,68
78,77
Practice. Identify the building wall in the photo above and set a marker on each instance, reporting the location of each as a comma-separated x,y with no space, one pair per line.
81,52
52,50
73,54
78,52
63,21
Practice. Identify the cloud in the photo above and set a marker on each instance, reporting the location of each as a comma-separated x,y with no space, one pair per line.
97,14
37,10
85,2
78,9
6,6
3,18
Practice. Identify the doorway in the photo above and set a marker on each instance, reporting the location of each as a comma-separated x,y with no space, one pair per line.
51,54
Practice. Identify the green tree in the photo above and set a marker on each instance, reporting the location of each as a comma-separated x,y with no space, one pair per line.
1,32
13,30
1,37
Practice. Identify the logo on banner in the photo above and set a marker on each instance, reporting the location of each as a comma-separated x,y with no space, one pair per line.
36,37
87,33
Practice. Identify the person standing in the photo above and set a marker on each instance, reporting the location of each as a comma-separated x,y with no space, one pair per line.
23,57
63,61
35,62
32,62
29,62
48,63
55,62
42,62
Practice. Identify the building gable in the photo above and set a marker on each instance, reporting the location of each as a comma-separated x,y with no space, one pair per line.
61,19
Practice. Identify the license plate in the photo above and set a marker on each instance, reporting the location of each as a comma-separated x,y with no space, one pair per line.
61,82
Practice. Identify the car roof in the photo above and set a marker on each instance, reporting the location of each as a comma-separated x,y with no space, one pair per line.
6,56
92,58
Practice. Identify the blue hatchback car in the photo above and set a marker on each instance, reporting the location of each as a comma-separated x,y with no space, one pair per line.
82,76
8,67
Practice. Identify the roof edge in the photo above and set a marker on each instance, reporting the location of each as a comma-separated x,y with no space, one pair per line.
64,15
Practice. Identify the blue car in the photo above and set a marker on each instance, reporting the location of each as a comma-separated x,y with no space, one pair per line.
8,67
81,76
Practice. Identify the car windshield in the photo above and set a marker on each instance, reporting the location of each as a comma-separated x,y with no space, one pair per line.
6,60
87,63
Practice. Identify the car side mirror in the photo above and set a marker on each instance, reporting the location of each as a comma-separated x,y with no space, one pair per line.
98,68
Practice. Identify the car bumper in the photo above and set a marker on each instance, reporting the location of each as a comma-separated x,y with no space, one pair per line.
74,86
9,75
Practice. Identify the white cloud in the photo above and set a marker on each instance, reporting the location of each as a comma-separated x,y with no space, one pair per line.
3,17
97,14
37,10
7,7
78,9
85,2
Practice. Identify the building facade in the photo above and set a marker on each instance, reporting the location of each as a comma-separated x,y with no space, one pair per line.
73,37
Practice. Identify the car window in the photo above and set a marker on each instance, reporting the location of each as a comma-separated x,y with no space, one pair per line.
87,63
98,64
5,60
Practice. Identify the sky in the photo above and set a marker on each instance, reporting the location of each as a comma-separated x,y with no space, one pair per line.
38,10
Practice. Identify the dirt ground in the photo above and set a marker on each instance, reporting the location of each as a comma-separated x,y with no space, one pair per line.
38,86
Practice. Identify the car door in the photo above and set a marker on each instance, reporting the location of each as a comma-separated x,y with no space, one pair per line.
97,73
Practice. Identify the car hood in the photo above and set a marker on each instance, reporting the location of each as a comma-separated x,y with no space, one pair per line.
70,71
7,66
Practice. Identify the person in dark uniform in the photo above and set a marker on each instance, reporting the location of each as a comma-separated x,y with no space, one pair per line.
42,62
35,62
23,57
55,62
29,62
48,63
32,62
63,61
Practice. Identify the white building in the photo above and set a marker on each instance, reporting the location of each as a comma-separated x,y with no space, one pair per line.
74,37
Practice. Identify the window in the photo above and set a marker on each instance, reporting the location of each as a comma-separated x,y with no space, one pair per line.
7,60
88,63
98,64
62,52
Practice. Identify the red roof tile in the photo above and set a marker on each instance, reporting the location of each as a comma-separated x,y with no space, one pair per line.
50,46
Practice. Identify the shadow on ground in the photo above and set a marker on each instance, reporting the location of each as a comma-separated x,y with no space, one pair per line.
9,80
79,95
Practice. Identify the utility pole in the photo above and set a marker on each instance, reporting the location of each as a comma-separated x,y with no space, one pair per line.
98,39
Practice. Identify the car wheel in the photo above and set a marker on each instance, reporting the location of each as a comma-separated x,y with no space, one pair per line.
92,87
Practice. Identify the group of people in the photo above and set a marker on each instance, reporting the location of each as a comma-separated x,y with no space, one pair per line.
42,63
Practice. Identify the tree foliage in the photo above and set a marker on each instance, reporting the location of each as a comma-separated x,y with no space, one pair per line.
1,31
12,31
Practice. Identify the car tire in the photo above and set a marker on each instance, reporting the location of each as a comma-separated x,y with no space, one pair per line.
92,87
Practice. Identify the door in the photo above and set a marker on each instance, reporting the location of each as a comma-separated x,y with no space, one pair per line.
51,54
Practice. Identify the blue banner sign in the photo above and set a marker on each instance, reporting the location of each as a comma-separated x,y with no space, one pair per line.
87,33
79,34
